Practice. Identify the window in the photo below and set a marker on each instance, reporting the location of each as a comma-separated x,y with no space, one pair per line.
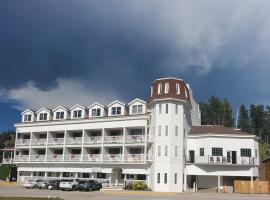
167,108
159,88
137,109
116,110
160,108
166,130
175,178
166,150
27,118
176,130
77,113
159,130
159,150
101,175
166,87
59,115
245,152
217,151
42,116
186,92
96,112
176,109
151,91
177,88
158,177
165,178
256,153
176,151
201,151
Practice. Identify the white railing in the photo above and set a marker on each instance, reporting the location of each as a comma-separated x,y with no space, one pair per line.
55,141
54,157
93,140
7,161
134,158
23,142
73,157
39,141
135,138
112,158
74,140
113,139
37,158
21,158
92,157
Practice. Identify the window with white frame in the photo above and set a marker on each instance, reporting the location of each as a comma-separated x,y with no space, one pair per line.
201,151
158,177
27,118
245,152
166,150
177,88
166,130
159,150
166,87
160,108
217,151
59,115
116,110
186,92
165,178
137,109
159,130
176,151
159,88
96,112
176,130
77,113
43,116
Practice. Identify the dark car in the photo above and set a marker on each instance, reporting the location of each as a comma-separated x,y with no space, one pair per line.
54,184
89,185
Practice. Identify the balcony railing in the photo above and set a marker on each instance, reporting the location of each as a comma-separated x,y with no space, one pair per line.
113,139
221,160
21,158
23,142
37,158
7,161
92,158
112,158
93,140
56,141
74,140
73,157
135,158
135,138
54,157
39,141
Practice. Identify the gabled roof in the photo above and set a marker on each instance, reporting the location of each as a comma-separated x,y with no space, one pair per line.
77,105
58,107
214,129
43,108
96,104
135,100
28,110
116,101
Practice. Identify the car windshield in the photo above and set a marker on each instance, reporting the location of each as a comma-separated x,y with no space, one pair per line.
70,180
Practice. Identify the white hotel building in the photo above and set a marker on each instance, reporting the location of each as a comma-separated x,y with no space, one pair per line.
160,142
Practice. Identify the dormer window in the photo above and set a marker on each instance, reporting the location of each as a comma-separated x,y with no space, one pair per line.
166,87
27,118
116,111
159,88
60,115
177,88
43,116
137,109
96,112
77,114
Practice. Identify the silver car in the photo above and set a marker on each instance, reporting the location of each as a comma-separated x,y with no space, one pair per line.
70,184
32,183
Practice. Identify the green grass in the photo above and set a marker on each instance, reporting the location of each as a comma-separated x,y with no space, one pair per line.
26,198
4,171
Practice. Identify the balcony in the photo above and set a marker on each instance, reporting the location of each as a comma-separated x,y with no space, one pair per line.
92,158
74,140
21,158
7,161
221,160
56,141
37,158
23,142
55,158
93,140
135,138
113,139
112,158
73,157
39,141
133,158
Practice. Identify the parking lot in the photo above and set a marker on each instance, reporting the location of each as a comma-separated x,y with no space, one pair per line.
19,191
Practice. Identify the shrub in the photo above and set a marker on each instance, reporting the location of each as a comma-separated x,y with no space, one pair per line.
136,186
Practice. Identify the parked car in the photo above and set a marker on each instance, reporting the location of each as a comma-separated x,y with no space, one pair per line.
70,184
43,184
54,184
32,183
89,185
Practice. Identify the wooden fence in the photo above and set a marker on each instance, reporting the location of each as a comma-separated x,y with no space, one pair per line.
259,187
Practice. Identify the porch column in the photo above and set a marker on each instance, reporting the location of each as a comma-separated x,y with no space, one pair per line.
125,180
3,156
185,180
110,178
218,183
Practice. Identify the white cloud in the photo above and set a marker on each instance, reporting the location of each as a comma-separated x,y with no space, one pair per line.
67,92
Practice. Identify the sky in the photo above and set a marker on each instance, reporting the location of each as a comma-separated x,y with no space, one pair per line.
66,52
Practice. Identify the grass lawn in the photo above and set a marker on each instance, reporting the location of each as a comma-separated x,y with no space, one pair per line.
26,198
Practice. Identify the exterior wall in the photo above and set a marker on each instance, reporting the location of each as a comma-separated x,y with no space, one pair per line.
60,110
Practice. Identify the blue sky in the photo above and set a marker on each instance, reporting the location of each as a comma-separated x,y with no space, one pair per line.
68,52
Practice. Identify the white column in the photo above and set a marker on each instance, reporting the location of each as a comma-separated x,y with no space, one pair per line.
123,146
82,150
16,137
30,148
3,155
185,179
46,151
218,183
102,144
145,144
64,149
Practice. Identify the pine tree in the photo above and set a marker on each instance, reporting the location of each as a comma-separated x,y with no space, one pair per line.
243,120
227,119
216,110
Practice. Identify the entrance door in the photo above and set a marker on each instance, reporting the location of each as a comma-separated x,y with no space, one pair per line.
117,177
229,157
191,156
234,159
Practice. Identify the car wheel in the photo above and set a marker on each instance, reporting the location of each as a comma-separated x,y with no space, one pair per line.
73,188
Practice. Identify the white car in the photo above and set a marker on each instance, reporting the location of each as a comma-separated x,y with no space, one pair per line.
31,183
70,184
